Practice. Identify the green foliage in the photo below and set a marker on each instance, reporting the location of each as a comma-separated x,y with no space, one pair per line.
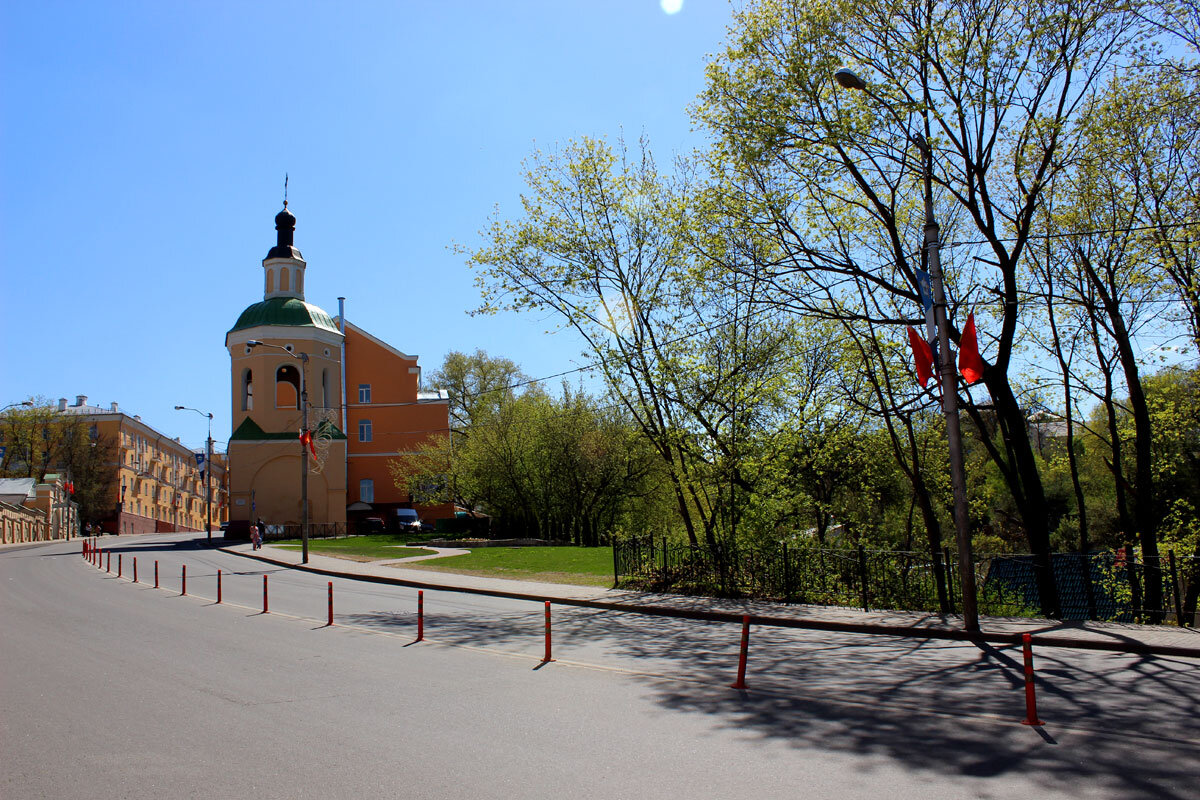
39,440
563,467
745,308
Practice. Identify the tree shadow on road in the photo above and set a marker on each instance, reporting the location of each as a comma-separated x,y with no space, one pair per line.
1116,721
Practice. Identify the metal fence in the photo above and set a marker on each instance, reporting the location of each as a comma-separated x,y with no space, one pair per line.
316,530
1098,586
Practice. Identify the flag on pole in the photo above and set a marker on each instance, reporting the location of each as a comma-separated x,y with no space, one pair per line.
306,437
970,363
922,355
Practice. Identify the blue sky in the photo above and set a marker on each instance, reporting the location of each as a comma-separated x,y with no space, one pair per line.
143,148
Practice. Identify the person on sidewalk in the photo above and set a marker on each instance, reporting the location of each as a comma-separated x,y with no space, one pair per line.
255,536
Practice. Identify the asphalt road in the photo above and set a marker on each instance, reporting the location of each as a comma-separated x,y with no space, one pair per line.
115,689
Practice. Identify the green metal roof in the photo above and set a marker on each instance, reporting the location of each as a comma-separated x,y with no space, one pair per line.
251,431
284,311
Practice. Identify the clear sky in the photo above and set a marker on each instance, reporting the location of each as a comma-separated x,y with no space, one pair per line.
143,147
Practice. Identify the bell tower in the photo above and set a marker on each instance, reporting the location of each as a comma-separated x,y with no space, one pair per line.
283,351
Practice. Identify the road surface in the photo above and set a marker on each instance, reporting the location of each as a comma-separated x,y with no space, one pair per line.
115,689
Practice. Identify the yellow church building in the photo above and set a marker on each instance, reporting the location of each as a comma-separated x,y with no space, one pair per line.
288,361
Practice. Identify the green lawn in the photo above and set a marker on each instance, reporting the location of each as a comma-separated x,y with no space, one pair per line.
585,566
360,548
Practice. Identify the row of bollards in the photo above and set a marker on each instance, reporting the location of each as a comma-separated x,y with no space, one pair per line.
100,557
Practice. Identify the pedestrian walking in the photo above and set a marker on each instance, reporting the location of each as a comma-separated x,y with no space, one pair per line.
255,536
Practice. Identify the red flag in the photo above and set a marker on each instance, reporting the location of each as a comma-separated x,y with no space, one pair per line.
922,355
306,437
970,364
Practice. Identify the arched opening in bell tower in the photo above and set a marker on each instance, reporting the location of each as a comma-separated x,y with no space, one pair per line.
247,389
287,387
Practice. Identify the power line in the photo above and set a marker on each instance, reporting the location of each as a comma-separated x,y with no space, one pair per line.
1064,234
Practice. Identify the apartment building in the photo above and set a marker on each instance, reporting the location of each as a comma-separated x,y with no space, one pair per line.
159,486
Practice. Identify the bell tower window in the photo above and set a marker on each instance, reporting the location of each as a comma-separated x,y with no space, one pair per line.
287,387
283,279
248,388
270,281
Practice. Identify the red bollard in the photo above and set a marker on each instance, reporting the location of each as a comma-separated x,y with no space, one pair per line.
120,569
420,616
330,603
741,678
135,569
1031,715
546,658
183,589
108,562
218,586
264,594
156,573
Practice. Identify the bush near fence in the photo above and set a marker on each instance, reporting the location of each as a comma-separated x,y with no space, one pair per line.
1097,586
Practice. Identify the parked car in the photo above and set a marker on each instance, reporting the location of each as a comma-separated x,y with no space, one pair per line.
407,519
372,525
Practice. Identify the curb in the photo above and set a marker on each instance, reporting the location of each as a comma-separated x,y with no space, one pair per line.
906,631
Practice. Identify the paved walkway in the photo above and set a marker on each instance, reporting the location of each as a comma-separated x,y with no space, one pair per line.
1148,639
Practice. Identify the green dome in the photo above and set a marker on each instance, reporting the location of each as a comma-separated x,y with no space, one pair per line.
289,311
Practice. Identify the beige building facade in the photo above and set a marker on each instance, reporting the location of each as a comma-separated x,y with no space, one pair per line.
282,352
160,485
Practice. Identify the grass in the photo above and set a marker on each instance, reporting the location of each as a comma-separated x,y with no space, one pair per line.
583,566
361,548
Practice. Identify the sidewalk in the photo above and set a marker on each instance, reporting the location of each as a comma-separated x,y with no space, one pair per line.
1115,636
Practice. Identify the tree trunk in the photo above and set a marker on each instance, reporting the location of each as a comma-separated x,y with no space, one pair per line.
1026,486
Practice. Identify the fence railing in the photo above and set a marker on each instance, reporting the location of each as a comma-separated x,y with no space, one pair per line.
316,530
1096,586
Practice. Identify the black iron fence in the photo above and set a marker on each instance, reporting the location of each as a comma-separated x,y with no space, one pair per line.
1098,586
316,530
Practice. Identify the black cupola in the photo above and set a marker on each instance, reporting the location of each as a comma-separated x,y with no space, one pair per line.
285,229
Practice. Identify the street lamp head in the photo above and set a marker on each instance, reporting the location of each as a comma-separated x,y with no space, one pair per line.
253,343
179,408
848,79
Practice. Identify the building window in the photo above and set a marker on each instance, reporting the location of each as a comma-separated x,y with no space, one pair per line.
283,279
364,393
366,490
287,387
364,430
270,281
247,390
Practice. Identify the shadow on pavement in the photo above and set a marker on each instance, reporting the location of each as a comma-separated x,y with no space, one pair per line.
943,707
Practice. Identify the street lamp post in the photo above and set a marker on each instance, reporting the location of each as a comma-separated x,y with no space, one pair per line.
207,467
847,79
303,442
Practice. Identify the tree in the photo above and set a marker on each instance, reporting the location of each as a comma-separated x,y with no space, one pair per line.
40,440
565,468
609,247
996,90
